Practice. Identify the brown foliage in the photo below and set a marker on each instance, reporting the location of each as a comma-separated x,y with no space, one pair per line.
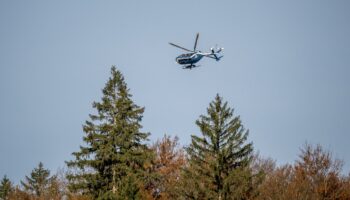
316,175
168,163
260,168
19,194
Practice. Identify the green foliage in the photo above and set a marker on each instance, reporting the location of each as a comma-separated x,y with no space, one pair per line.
5,187
38,182
219,160
115,157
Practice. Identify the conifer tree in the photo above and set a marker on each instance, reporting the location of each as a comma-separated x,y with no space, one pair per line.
38,181
218,165
113,163
5,188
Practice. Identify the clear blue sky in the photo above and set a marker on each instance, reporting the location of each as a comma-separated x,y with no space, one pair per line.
285,71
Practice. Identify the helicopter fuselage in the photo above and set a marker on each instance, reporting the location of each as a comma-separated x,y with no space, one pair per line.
188,58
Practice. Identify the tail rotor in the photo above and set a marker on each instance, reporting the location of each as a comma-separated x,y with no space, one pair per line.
215,51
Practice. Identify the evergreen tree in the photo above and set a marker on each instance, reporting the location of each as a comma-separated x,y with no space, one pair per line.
114,161
5,188
38,181
218,165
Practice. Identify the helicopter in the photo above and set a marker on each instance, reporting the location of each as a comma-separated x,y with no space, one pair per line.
188,60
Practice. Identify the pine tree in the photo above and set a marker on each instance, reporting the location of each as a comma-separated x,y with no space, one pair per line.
5,188
218,165
114,161
38,181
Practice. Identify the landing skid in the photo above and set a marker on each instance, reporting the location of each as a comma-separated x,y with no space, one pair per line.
190,66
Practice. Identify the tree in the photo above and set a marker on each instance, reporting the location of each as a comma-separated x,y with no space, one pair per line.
277,184
316,175
17,193
219,160
168,162
38,182
5,188
317,169
114,162
260,168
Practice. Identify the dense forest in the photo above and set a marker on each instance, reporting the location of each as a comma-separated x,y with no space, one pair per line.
116,161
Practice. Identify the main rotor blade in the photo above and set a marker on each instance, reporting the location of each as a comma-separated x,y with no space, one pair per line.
180,47
195,43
